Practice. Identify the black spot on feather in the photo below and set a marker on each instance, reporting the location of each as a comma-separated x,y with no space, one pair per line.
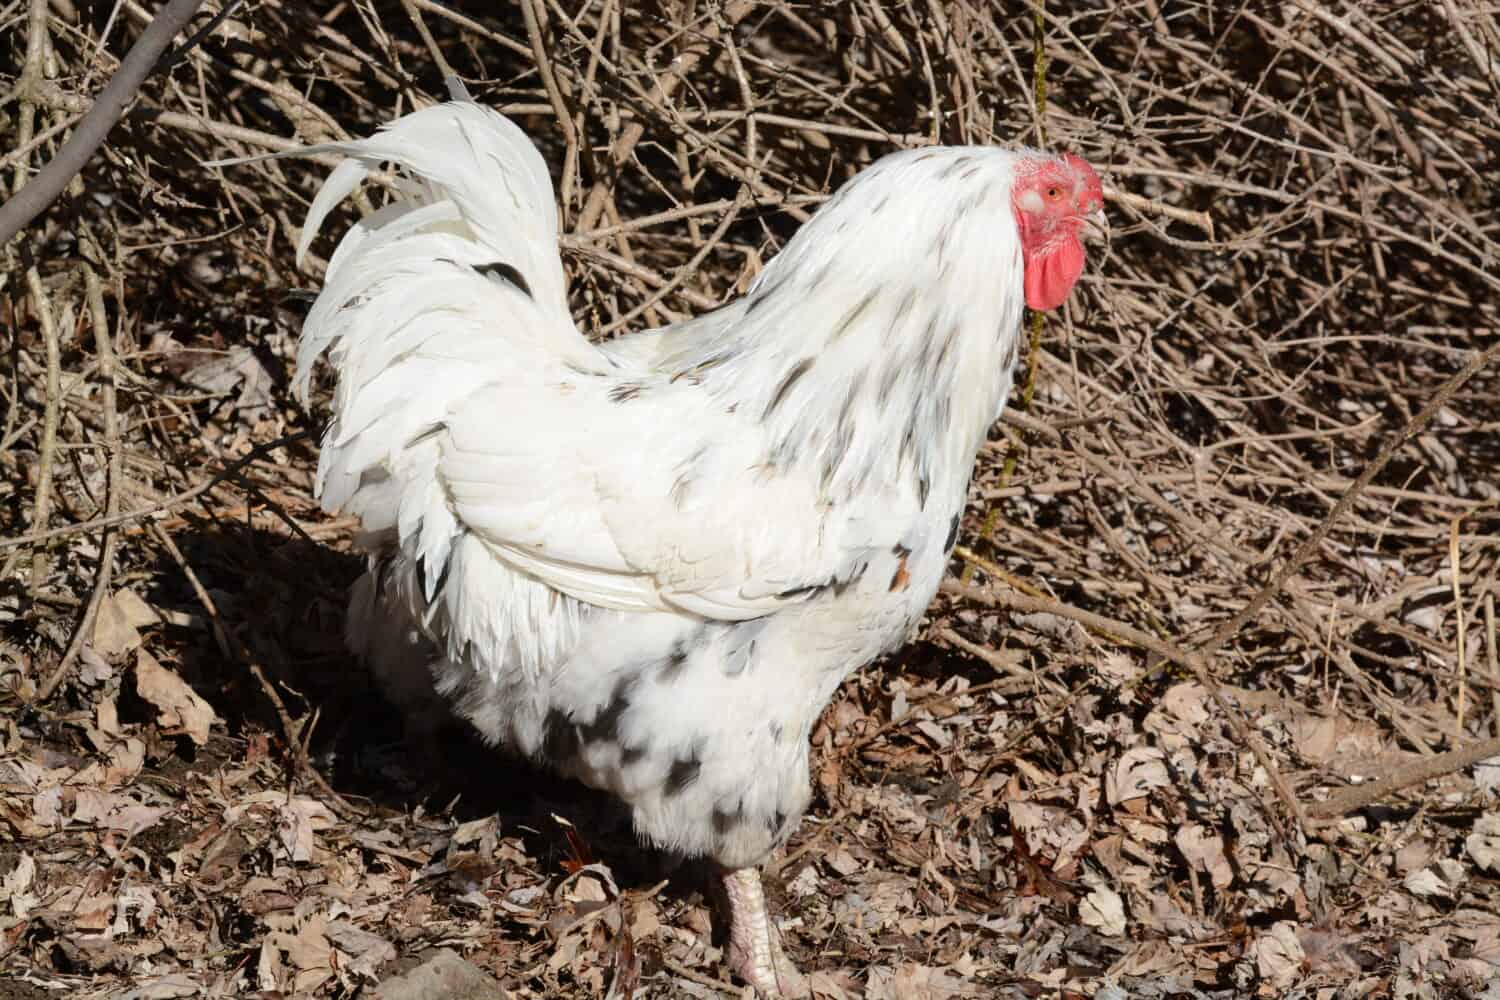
763,293
853,315
442,577
671,667
904,306
902,576
952,538
682,773
908,450
839,586
373,475
943,415
851,399
953,166
724,820
625,392
803,591
559,737
606,725
501,271
426,433
695,374
798,370
888,380
819,276
946,351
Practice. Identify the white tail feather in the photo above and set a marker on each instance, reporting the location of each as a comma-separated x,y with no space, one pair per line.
413,328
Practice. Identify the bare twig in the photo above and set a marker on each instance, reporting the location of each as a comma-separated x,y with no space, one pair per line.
161,507
232,648
666,85
104,346
1305,268
27,87
50,182
433,50
687,270
1191,659
1477,363
1150,206
41,509
1355,797
533,11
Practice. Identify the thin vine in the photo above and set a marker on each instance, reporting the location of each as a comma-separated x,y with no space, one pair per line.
1038,319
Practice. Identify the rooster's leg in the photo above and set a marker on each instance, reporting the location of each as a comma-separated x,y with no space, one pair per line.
755,952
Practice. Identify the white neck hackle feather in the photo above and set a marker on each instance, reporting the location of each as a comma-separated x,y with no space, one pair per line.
880,342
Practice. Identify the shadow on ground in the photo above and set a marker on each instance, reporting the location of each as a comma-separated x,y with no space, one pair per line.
281,599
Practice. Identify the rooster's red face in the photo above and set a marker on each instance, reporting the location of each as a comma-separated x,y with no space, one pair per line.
1053,200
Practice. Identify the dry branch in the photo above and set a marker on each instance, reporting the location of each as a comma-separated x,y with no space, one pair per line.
107,108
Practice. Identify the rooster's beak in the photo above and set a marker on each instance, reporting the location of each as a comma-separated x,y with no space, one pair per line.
1097,223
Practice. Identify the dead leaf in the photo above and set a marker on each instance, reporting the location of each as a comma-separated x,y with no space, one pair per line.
179,708
1104,910
1135,774
1487,775
237,366
299,819
1205,850
1187,702
1416,853
915,982
1426,882
308,953
827,984
1036,880
48,807
1154,958
1483,844
114,811
645,919
806,882
1279,955
367,952
15,886
841,861
93,668
1114,666
118,622
178,984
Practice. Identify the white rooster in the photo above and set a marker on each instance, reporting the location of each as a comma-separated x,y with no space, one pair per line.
649,563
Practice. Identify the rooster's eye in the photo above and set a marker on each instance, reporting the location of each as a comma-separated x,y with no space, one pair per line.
1054,193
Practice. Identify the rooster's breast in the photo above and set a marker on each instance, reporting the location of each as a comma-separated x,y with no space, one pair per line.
701,727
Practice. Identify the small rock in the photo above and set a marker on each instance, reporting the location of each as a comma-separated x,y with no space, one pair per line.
445,975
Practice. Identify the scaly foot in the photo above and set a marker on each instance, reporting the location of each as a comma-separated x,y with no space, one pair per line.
755,953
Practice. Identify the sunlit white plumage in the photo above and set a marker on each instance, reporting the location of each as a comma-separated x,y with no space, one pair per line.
651,562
